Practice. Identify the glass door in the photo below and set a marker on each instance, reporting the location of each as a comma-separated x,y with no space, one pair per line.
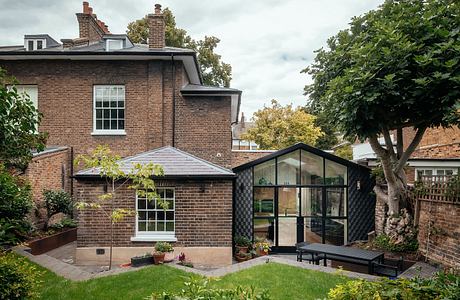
288,213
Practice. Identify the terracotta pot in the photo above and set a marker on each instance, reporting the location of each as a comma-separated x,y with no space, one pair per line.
240,258
241,249
261,252
158,258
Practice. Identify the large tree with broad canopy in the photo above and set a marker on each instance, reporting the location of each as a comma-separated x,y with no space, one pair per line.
395,67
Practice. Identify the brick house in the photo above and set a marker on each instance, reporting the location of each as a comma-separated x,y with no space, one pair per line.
101,88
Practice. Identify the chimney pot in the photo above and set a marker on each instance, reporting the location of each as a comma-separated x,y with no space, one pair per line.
90,10
85,7
157,9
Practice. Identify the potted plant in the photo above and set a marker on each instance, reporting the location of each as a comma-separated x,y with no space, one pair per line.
161,248
240,257
262,247
242,244
146,259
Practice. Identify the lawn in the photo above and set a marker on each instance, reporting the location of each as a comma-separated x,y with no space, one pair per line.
283,282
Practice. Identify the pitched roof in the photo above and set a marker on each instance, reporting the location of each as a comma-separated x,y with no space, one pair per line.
176,164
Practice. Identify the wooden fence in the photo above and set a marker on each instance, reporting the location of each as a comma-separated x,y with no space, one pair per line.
438,188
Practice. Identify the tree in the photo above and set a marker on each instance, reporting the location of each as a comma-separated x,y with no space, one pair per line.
214,71
139,179
344,151
329,138
396,67
19,120
278,127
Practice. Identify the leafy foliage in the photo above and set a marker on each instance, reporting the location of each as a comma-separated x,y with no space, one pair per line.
242,241
58,201
15,204
329,138
197,288
18,122
214,71
344,151
278,127
384,242
65,223
163,247
442,286
18,278
394,67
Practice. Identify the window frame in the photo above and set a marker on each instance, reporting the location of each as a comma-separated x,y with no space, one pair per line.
110,41
155,236
34,44
108,131
434,171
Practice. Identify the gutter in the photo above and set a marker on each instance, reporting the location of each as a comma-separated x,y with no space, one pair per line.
165,177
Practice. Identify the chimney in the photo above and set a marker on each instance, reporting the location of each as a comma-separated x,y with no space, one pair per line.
90,27
242,120
156,28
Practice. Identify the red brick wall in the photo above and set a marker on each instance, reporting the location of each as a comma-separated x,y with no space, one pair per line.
241,157
436,143
48,171
440,221
203,218
65,96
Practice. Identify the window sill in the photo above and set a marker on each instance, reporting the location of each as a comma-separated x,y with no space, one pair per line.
154,238
108,132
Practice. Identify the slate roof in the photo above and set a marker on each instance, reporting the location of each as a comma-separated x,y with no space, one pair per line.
196,88
176,164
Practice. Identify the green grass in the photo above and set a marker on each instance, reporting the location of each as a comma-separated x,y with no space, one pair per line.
283,282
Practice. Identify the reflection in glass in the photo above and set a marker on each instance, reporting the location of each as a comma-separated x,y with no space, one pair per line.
311,202
335,204
264,173
289,168
313,228
288,202
287,231
265,229
335,231
311,168
264,199
336,174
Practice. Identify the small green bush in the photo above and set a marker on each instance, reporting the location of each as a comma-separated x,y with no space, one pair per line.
242,241
384,242
444,286
163,247
58,201
197,288
18,278
15,204
65,223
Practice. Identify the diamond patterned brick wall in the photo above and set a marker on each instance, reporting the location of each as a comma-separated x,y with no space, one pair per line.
361,204
243,203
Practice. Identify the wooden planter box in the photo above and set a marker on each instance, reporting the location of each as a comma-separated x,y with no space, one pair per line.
141,261
54,241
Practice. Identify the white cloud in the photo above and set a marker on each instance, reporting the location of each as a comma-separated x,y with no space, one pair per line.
267,42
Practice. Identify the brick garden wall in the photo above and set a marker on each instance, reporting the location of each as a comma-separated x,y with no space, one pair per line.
439,232
203,214
48,171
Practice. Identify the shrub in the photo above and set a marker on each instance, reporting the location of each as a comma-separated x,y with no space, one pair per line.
384,242
15,204
58,201
442,286
18,278
163,247
242,241
197,288
65,223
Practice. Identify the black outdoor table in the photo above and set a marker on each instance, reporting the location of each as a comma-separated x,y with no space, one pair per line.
341,253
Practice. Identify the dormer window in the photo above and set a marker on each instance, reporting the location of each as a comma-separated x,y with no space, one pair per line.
35,44
114,45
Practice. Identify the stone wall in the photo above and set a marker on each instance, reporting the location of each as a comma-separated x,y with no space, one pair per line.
439,232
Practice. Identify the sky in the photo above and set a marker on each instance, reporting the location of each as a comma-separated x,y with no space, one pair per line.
267,42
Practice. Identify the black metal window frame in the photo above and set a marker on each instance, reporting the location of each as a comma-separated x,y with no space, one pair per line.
323,187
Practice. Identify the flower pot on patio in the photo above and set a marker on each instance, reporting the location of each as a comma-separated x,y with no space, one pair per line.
261,252
158,257
240,249
139,261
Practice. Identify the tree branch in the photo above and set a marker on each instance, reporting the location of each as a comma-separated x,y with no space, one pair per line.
399,142
384,158
410,149
389,144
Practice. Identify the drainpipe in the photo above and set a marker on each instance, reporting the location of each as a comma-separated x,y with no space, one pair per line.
174,101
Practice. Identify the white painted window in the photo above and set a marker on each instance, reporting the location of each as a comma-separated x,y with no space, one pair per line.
113,45
153,222
34,44
30,90
419,172
109,110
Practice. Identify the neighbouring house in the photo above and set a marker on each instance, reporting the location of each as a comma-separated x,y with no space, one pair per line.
100,88
303,194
